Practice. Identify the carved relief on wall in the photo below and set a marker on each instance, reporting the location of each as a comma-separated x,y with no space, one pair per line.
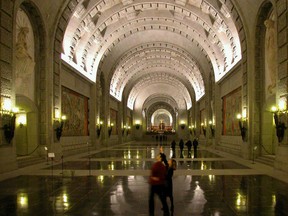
75,107
24,54
232,104
270,55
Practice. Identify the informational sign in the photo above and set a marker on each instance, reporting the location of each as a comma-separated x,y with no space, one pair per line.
51,155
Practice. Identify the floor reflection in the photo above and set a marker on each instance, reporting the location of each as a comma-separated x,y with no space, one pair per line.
146,165
127,195
140,153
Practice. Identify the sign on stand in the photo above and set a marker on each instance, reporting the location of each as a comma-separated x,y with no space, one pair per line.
51,155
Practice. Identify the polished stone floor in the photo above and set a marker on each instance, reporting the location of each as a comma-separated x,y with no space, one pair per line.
113,181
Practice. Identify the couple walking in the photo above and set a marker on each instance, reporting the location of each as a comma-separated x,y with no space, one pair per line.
161,183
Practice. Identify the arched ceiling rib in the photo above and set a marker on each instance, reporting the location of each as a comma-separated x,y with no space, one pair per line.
160,98
138,43
164,89
217,34
153,57
158,78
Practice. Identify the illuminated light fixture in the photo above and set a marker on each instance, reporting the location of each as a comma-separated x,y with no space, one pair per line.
8,117
280,126
128,129
192,130
99,128
123,130
203,127
59,122
21,120
182,125
212,128
137,124
110,128
242,120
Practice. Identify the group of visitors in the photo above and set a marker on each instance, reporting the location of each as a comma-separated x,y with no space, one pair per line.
189,145
161,183
160,179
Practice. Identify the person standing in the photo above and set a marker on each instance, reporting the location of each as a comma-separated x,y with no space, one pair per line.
173,146
169,182
195,145
189,146
157,185
181,146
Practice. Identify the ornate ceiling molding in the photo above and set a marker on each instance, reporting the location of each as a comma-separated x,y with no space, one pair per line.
114,37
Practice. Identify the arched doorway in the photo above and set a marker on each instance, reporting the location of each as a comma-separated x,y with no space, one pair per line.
26,131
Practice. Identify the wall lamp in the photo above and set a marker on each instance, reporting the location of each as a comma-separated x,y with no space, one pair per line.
137,124
123,130
192,130
203,126
110,128
21,120
59,126
280,126
99,128
212,128
182,125
8,117
128,130
242,125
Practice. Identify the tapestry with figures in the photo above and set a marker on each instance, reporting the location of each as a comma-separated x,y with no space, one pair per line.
75,107
232,104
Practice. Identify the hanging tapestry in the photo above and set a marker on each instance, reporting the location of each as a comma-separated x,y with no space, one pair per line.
75,107
231,106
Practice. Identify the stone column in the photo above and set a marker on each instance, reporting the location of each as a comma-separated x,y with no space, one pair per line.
281,160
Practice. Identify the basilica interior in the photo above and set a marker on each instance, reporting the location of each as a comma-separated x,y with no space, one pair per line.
91,89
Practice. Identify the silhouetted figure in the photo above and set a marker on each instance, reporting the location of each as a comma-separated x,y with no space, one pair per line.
181,146
157,185
169,182
195,145
173,146
189,146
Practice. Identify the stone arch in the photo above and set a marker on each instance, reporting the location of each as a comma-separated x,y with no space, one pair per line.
160,105
36,128
263,138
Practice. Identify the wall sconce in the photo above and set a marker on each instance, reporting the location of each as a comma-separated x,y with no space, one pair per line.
99,128
182,125
8,117
137,124
59,127
212,128
280,126
190,130
128,129
123,130
21,120
203,129
242,122
110,128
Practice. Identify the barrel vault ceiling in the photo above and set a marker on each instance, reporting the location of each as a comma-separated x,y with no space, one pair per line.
146,49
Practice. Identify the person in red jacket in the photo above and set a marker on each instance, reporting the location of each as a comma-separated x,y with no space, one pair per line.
157,185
